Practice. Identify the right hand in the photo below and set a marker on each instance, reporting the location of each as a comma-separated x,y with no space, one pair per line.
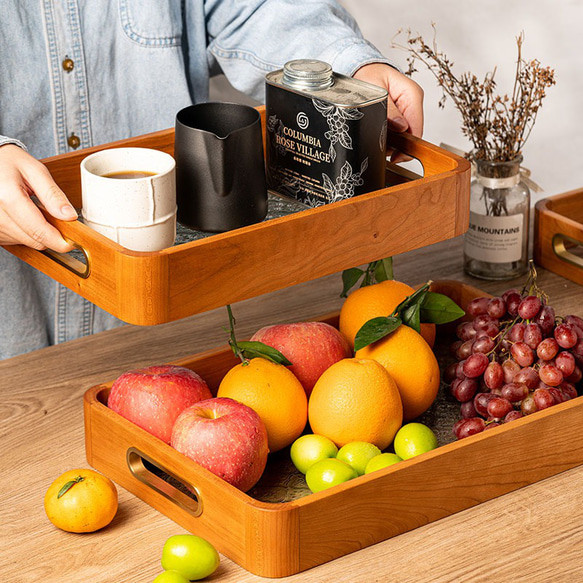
21,221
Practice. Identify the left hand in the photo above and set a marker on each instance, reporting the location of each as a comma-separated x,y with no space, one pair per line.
405,102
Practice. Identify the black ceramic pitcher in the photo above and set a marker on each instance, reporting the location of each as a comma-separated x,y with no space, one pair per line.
220,169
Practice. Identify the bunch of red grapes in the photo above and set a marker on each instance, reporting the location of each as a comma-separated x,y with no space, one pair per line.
514,358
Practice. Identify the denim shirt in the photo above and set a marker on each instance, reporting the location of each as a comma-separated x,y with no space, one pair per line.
77,73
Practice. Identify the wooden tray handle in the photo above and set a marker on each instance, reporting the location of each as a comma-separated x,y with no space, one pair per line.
79,268
560,245
558,235
163,481
433,159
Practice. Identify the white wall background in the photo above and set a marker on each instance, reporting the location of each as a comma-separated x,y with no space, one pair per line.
479,36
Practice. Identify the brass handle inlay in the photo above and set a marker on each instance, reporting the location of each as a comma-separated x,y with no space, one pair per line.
164,481
80,268
562,251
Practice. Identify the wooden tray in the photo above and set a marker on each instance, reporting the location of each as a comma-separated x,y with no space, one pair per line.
558,234
158,287
280,539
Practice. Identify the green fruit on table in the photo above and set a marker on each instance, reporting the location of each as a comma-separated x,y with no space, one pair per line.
170,577
309,449
380,461
414,439
192,556
327,473
357,454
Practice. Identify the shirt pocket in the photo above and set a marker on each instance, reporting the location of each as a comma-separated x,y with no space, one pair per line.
151,22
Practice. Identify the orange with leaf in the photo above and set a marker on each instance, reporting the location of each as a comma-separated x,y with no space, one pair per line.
81,501
263,382
375,300
394,341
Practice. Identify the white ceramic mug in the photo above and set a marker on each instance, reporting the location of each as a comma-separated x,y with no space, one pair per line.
139,213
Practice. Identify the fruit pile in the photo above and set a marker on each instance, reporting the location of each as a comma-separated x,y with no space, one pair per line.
515,357
324,465
291,375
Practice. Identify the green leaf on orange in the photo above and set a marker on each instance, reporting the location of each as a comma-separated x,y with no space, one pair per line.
66,487
412,317
383,269
254,349
350,278
375,330
439,309
416,297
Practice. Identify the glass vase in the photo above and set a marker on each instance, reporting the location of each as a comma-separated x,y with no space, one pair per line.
496,243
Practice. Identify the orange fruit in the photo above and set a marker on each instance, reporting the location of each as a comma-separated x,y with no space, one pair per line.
356,400
274,393
90,502
373,301
412,365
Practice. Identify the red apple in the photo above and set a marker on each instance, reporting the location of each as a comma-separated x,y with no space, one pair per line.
311,347
154,396
226,437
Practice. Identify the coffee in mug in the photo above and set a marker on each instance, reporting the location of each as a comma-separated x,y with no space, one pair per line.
129,174
129,195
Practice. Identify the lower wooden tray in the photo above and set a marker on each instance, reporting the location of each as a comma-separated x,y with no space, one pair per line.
558,234
276,539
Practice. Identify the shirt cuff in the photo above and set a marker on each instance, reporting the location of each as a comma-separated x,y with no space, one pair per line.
5,140
351,54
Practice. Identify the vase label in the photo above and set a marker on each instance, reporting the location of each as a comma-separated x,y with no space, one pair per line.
494,239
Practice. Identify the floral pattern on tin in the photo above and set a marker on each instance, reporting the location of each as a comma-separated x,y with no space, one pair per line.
336,118
289,186
346,182
293,188
383,138
313,201
275,126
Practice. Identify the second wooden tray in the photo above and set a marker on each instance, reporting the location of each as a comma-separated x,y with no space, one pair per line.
193,277
277,539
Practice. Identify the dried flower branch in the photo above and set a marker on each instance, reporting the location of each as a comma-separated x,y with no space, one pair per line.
497,125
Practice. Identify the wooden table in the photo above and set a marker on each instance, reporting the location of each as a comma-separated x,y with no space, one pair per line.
534,534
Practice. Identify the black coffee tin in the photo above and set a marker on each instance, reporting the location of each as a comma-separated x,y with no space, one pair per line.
326,133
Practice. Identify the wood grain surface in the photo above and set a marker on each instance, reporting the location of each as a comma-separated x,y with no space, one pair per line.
534,534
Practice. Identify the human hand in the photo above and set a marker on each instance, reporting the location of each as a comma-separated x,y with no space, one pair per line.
405,102
21,221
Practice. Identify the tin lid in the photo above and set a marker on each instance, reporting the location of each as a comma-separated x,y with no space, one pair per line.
319,81
308,74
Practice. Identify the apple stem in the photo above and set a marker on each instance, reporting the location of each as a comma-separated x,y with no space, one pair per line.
233,340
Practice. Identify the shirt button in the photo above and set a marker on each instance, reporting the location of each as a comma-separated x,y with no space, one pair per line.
74,141
68,65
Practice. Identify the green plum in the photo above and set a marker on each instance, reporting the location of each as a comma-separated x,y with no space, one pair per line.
171,577
192,556
414,439
381,461
311,448
357,454
327,473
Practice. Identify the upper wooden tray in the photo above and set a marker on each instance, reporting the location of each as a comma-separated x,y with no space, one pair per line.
157,287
